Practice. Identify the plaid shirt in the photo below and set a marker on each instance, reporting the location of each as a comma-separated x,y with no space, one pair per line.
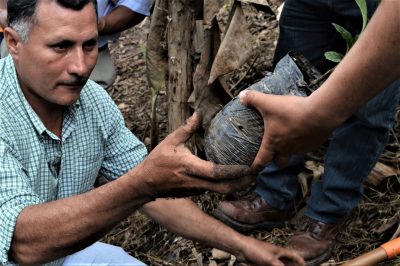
36,166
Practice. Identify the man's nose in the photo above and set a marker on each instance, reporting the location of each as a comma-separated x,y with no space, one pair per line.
80,63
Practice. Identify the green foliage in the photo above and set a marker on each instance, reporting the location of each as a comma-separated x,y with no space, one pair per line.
334,56
346,35
362,5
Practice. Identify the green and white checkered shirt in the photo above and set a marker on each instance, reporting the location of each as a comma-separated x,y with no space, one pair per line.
37,167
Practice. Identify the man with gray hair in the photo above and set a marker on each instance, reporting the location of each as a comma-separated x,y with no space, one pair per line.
113,18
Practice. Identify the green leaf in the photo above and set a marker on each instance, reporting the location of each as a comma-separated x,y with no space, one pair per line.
334,56
362,5
346,35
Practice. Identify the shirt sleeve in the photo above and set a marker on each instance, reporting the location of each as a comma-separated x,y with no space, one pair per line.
139,6
15,195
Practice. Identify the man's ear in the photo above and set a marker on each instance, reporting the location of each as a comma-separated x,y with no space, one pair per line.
13,41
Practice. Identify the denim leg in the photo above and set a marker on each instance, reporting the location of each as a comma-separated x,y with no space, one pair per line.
302,28
306,26
278,186
354,150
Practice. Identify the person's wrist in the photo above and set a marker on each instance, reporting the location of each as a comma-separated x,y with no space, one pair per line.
136,181
319,115
236,246
243,247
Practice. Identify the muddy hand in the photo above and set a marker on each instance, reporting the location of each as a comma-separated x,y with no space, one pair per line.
289,128
171,170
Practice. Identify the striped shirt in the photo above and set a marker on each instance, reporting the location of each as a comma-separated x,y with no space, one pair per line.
36,166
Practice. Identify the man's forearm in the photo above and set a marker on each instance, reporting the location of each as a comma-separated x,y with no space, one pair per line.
48,231
120,19
3,4
371,65
3,13
3,18
55,229
185,218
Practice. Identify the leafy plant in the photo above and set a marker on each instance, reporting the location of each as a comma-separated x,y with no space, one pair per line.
346,35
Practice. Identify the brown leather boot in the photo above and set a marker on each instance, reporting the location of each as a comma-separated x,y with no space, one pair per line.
313,240
250,214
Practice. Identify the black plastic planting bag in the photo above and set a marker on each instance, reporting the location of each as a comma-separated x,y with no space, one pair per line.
235,133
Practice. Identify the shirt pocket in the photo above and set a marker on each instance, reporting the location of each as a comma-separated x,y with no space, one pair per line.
88,160
90,149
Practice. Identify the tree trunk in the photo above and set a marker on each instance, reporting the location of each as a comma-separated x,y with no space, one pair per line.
180,28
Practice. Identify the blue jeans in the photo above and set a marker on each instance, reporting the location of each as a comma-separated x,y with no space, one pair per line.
101,254
356,145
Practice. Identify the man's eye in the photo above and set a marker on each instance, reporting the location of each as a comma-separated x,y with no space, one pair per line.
61,47
89,47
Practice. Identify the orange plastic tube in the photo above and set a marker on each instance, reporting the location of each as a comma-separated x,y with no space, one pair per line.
368,259
387,251
392,248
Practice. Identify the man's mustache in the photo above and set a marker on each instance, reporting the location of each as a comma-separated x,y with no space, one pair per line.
74,82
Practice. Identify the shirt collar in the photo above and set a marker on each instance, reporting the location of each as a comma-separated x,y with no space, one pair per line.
34,118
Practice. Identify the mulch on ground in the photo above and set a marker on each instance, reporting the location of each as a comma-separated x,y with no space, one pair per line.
374,220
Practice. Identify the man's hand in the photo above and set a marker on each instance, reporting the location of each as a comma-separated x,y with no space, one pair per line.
289,126
262,253
171,170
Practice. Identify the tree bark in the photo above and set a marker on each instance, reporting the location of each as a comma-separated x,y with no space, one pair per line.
157,62
180,28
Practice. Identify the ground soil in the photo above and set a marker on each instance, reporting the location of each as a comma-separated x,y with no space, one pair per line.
377,216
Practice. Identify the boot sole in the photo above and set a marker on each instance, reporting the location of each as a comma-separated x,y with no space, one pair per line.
321,258
243,227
